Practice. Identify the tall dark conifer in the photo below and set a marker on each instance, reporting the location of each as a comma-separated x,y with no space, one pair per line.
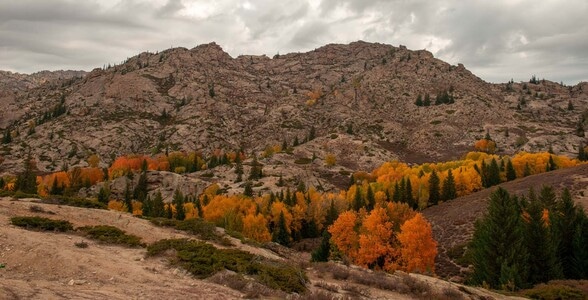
434,193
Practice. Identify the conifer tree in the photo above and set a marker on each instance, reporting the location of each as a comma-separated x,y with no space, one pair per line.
542,262
434,194
357,200
248,190
26,181
178,202
332,215
409,198
419,100
493,173
498,250
238,168
564,225
103,194
579,248
280,234
427,101
397,197
323,251
158,209
256,169
449,191
140,192
582,155
128,198
370,199
147,207
510,171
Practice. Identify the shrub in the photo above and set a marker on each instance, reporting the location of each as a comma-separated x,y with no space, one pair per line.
81,244
41,224
203,260
554,291
38,209
111,235
198,227
77,202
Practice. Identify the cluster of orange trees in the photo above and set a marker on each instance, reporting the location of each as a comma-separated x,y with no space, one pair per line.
374,223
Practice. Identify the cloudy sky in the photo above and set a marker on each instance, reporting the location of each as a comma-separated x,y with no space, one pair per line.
497,40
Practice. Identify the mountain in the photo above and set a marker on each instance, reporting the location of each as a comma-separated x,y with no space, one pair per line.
359,99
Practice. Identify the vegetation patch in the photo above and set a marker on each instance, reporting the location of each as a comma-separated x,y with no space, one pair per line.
303,161
111,235
554,292
199,227
41,224
76,202
204,260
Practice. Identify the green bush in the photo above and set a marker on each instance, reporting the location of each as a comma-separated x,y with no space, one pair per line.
198,227
203,260
42,224
77,202
554,292
111,235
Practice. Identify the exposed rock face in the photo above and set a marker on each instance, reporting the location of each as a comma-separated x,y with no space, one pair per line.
360,98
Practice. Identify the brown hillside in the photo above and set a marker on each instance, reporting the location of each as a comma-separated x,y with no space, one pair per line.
453,222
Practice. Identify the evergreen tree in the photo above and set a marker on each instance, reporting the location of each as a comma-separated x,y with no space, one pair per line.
527,170
551,166
301,186
103,194
147,207
2,183
547,198
128,198
357,200
323,251
498,250
7,138
510,171
370,199
582,155
564,225
570,105
158,210
397,197
289,199
238,168
280,234
311,134
169,212
427,101
256,169
140,192
248,190
579,248
542,257
178,202
449,191
332,215
434,194
493,173
409,198
419,100
26,181
296,142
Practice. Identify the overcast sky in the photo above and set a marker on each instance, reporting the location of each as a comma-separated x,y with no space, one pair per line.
497,40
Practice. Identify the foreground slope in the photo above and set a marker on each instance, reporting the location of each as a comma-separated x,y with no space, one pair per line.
453,222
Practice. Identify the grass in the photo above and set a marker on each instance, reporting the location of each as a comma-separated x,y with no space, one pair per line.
203,260
111,235
41,224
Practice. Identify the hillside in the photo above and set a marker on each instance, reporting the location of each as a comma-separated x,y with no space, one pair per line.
33,268
359,98
453,221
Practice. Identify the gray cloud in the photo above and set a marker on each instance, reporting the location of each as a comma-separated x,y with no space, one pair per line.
497,40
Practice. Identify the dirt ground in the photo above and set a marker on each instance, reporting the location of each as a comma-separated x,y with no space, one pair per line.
45,265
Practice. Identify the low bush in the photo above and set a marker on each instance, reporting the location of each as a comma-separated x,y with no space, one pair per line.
111,235
81,244
198,227
203,260
554,292
77,202
42,224
39,209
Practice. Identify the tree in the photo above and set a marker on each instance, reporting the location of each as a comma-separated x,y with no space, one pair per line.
493,173
103,193
357,200
322,252
409,198
376,240
255,227
343,234
281,235
332,215
427,101
570,105
510,171
582,155
370,199
418,249
449,191
419,100
248,190
140,192
434,195
158,210
178,202
7,138
564,224
238,168
579,249
128,198
542,256
256,170
26,181
498,250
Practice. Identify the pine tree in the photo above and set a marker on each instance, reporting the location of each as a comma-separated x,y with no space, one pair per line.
527,170
542,257
140,192
434,195
158,209
370,199
493,173
178,202
498,248
409,198
582,156
510,171
147,207
564,225
427,101
323,251
103,193
256,169
419,100
128,198
238,168
26,181
579,249
551,166
357,200
332,215
248,190
448,191
280,234
7,138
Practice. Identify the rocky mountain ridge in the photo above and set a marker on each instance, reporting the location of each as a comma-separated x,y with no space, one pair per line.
358,99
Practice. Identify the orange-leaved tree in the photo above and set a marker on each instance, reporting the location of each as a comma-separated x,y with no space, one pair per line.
417,246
